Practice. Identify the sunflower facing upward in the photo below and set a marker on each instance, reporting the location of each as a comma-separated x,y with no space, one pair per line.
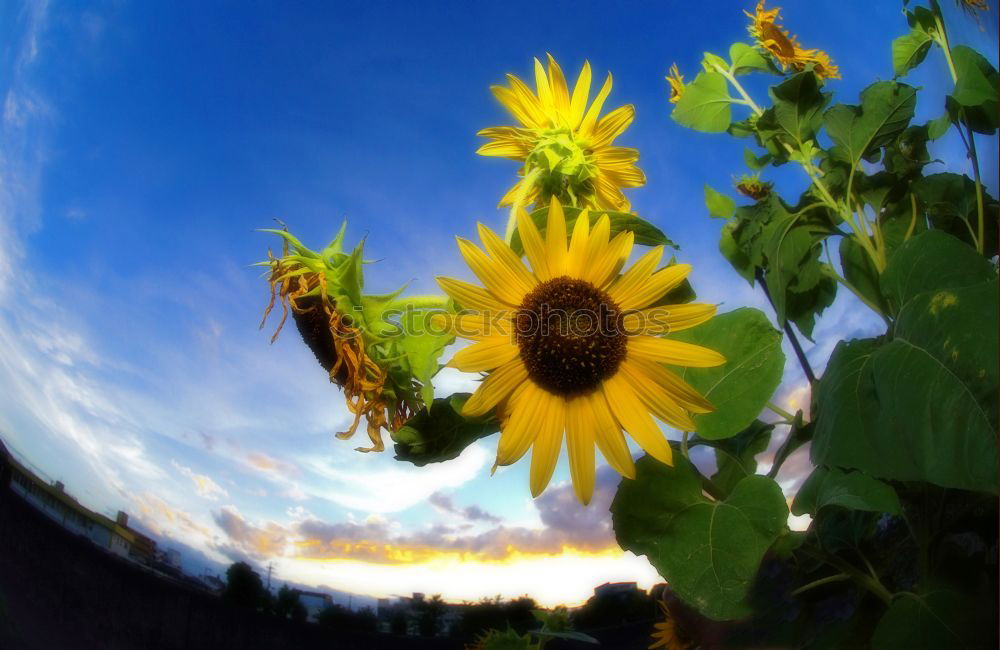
565,148
573,347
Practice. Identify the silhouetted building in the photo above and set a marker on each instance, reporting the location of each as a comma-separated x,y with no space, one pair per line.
314,602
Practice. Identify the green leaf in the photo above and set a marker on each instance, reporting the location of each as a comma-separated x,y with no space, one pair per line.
440,433
977,81
705,104
718,204
950,202
938,126
860,271
710,60
940,619
740,388
646,234
746,59
797,111
755,163
853,490
886,109
733,252
423,344
932,261
709,551
909,51
735,457
896,412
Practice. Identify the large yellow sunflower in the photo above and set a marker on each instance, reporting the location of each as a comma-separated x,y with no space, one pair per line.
784,48
565,148
573,347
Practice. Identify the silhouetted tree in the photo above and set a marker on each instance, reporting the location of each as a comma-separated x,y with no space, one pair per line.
340,618
244,588
614,609
497,614
288,605
431,611
397,624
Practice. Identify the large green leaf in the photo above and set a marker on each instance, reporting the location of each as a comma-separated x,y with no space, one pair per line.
976,88
718,204
894,411
854,490
797,111
709,551
860,271
940,619
909,51
440,433
646,234
857,131
705,104
932,261
740,388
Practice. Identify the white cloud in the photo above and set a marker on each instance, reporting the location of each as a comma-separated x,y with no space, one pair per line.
204,486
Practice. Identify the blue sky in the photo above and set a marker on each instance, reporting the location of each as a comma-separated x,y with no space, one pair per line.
143,144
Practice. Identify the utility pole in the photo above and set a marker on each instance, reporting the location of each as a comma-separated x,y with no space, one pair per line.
270,565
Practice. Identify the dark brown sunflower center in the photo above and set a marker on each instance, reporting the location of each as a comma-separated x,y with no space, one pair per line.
570,336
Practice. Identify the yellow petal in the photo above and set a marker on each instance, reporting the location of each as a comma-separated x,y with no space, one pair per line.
500,383
555,239
609,197
504,256
630,176
654,288
609,437
510,101
576,260
671,385
528,404
560,94
534,247
504,149
597,243
612,157
470,296
637,275
666,319
532,106
590,119
544,92
612,125
654,398
475,326
580,433
548,442
497,279
485,355
581,93
607,265
634,418
677,353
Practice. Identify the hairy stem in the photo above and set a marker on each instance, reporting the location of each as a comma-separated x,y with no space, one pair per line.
803,361
838,577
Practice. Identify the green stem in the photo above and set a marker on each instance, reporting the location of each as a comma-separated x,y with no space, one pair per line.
981,239
780,411
822,581
870,583
519,199
831,272
418,302
942,39
684,443
739,88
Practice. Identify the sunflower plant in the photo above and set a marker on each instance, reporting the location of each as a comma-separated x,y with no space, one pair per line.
901,428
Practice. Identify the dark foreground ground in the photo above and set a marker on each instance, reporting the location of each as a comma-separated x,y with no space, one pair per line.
60,592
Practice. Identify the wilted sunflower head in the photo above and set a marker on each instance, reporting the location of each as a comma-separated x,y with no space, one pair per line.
973,6
572,346
565,148
310,285
676,81
783,47
754,188
665,634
